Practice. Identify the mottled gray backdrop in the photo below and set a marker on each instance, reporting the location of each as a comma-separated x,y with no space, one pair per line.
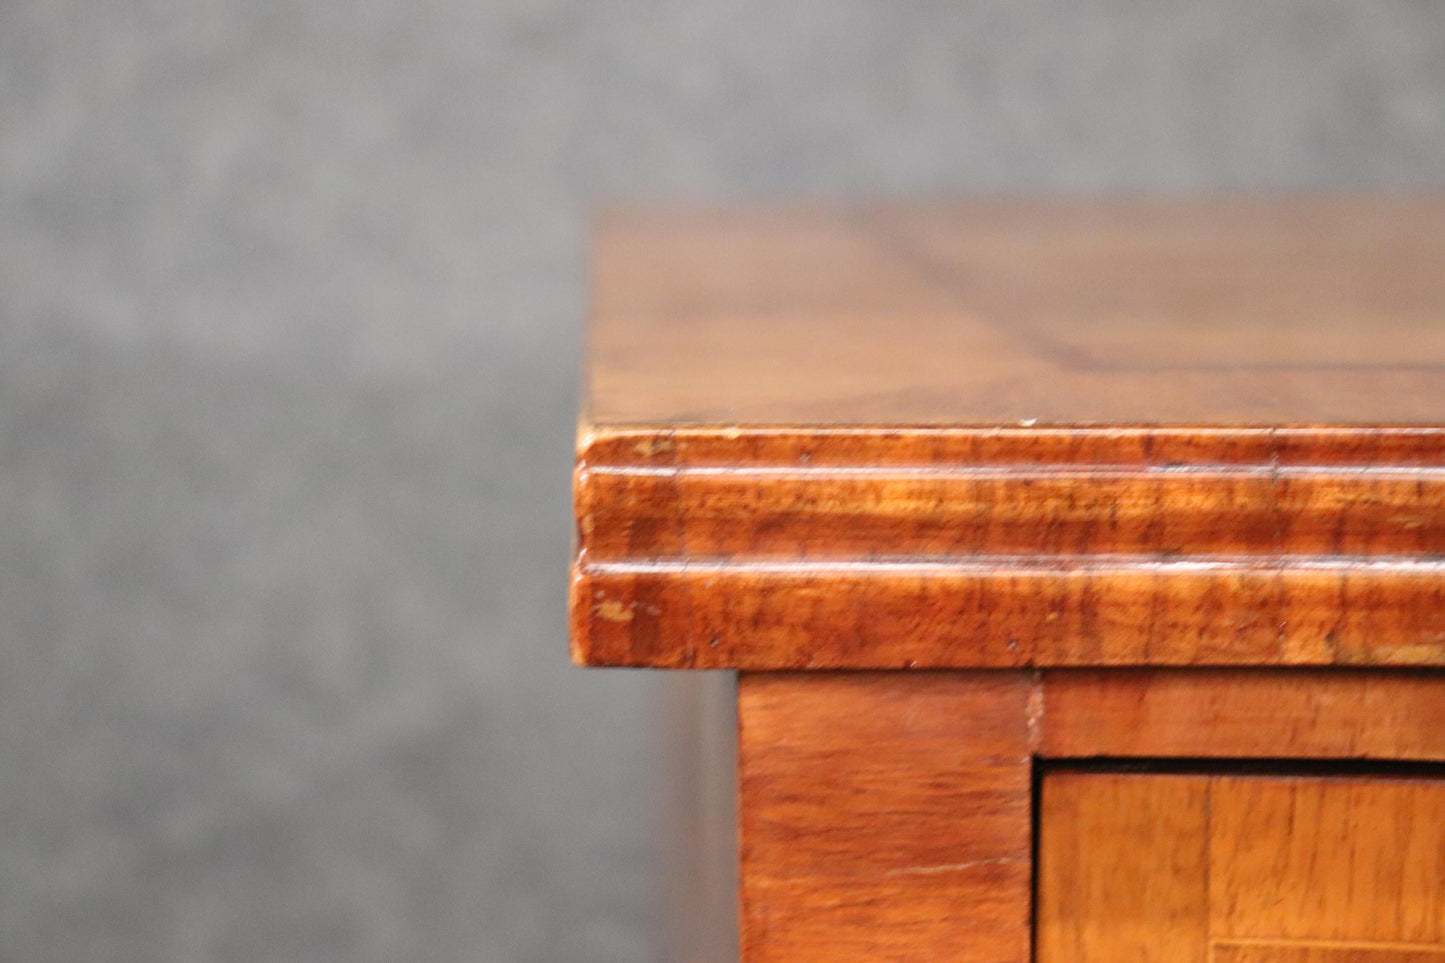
289,297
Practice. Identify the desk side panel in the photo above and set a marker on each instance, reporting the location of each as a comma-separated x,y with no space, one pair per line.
885,816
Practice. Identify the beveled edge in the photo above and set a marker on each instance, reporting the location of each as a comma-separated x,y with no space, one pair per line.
646,592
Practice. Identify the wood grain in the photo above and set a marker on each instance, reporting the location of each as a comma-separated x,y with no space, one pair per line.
1244,869
1328,859
1244,713
1196,443
885,817
1123,869
1299,311
1287,953
1009,434
950,548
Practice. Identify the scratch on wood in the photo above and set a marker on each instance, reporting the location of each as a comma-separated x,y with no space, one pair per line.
614,611
950,867
1034,713
648,447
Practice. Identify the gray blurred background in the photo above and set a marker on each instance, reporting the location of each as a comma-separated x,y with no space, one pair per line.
289,303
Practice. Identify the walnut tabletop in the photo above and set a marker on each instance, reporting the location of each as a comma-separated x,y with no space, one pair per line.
1015,434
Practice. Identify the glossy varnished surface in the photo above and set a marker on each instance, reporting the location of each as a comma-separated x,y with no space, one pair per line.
1301,311
1130,434
1264,869
956,547
1243,713
890,815
884,816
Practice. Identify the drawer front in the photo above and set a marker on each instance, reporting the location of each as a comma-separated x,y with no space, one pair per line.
1240,869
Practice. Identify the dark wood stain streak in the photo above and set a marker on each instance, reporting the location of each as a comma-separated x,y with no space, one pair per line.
963,548
1132,432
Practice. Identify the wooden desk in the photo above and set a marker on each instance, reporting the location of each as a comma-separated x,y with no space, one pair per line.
1127,523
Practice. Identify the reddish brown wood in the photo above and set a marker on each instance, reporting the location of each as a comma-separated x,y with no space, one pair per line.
959,548
885,816
1001,435
1123,869
1339,860
1268,952
789,510
1166,469
1241,714
1263,869
1300,311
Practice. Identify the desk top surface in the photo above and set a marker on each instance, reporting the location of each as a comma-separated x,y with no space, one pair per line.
1304,311
1004,434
